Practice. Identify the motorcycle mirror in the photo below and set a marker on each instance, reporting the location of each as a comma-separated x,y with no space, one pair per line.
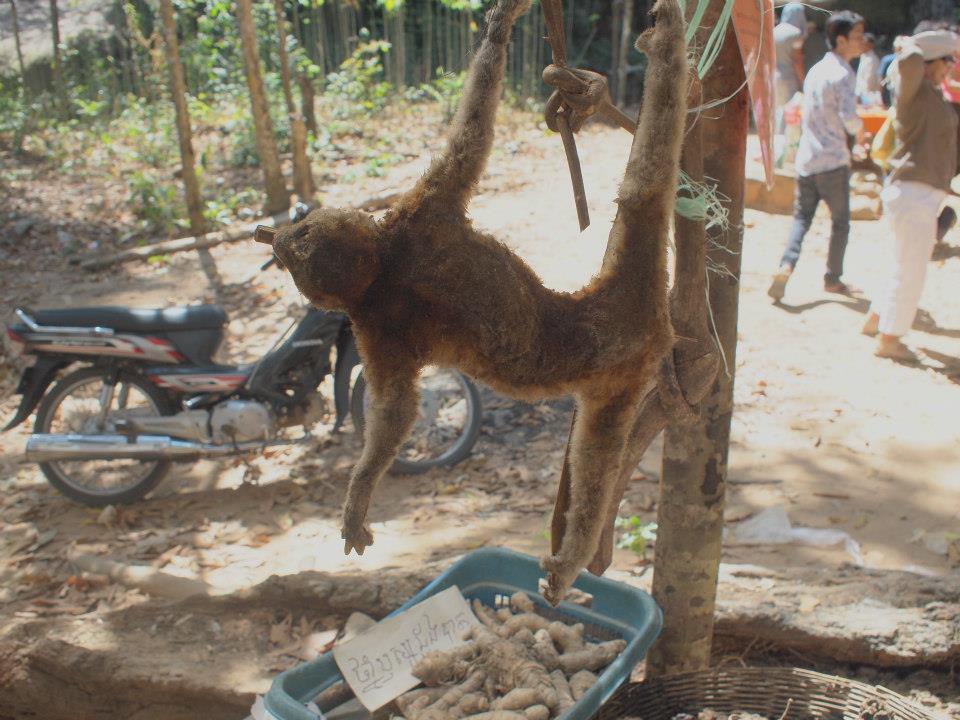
264,234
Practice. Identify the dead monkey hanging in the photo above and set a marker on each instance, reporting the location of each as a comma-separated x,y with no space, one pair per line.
423,286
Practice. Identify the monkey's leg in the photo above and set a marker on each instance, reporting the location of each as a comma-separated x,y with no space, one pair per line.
596,448
392,413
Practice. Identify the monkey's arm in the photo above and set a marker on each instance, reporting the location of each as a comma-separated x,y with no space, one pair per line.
452,176
391,416
646,198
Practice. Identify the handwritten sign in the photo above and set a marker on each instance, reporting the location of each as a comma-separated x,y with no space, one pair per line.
376,664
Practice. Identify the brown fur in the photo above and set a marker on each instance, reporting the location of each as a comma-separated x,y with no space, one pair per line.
423,287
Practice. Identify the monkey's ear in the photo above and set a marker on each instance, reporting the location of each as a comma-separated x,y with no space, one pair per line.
265,234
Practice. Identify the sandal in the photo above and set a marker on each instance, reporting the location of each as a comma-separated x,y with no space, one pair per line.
778,287
895,350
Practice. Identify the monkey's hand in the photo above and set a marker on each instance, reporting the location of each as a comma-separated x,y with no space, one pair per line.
356,535
560,576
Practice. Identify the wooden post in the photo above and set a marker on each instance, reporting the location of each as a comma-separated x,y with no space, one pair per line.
178,89
690,512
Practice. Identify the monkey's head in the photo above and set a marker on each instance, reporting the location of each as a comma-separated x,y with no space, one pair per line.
332,255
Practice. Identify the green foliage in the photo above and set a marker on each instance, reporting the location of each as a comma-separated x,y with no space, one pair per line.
445,89
14,116
148,133
155,203
242,134
636,534
375,164
358,87
224,210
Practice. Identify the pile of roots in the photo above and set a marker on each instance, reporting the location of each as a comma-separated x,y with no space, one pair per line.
515,665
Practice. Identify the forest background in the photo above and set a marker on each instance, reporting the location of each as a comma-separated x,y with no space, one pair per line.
84,84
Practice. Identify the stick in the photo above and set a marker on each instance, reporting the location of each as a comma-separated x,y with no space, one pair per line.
142,577
553,18
230,234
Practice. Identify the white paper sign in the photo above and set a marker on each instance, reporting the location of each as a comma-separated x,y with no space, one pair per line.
376,664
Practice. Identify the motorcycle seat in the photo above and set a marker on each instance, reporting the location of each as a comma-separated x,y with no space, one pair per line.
138,320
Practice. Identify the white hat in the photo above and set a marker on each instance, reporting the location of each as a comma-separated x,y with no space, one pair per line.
935,44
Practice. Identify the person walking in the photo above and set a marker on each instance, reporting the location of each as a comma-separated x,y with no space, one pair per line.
924,162
868,73
823,157
788,48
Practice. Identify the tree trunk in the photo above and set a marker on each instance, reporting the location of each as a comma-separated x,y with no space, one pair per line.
616,31
59,90
426,74
16,39
623,49
277,196
302,177
308,102
690,513
178,90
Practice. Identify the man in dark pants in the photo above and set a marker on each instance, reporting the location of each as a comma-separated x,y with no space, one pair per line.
823,157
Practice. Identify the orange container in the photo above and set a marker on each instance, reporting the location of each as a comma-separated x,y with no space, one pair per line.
872,119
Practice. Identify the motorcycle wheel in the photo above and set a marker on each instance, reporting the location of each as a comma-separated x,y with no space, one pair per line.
73,406
447,426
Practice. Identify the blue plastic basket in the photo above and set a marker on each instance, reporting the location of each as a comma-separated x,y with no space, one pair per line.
617,611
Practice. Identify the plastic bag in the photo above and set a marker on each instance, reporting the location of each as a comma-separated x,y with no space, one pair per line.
884,142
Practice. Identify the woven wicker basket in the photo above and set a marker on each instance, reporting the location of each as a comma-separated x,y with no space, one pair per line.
764,691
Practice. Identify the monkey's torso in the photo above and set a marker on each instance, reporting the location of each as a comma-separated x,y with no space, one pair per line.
457,297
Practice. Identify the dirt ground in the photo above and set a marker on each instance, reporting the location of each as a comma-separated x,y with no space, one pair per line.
838,438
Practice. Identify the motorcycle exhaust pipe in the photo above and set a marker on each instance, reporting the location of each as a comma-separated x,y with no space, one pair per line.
49,447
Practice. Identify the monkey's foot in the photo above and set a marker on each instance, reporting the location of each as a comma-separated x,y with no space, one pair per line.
560,576
357,536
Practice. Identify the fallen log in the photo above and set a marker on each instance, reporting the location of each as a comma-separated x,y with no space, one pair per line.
197,242
234,233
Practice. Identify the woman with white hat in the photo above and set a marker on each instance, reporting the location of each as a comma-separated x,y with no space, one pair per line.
924,162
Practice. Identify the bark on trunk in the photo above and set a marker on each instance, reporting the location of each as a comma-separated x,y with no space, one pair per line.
277,196
616,23
302,177
58,88
690,513
308,102
178,89
426,73
623,53
16,38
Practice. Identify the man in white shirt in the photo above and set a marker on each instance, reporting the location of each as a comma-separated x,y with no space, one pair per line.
868,73
823,157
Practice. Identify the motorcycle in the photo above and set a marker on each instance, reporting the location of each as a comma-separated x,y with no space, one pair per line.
141,391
